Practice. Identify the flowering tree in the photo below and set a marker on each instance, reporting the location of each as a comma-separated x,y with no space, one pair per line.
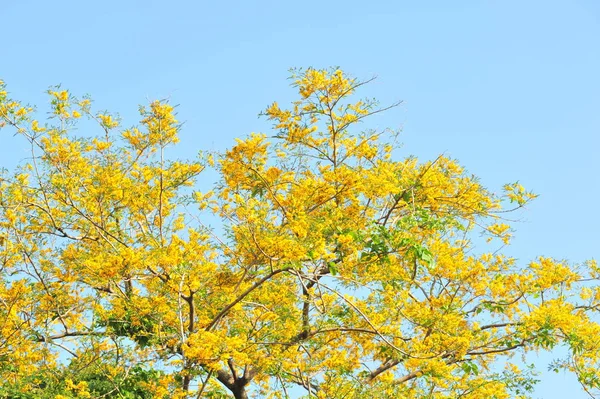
338,268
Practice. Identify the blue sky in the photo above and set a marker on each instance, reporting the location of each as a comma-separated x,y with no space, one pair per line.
510,88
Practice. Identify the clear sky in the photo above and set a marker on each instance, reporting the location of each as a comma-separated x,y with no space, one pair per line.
511,88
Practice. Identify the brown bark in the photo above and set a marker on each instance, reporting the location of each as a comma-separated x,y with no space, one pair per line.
234,382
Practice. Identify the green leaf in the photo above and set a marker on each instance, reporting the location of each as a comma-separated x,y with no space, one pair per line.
333,268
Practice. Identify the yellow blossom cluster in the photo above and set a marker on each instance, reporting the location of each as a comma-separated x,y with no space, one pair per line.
337,266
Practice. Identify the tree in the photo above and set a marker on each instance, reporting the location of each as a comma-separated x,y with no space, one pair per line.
336,267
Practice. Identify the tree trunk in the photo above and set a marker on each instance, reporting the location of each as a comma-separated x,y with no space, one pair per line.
234,382
239,392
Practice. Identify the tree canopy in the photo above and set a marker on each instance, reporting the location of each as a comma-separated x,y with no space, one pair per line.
321,264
